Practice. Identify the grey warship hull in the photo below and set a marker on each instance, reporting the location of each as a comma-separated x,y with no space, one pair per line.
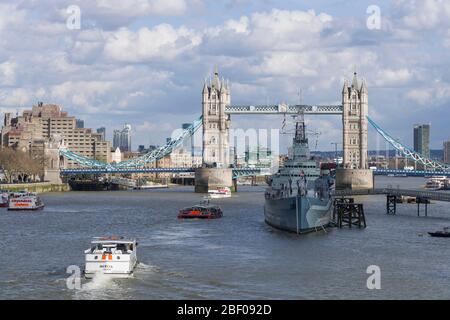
299,214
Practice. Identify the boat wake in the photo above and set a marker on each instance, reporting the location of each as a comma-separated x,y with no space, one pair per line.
145,268
101,286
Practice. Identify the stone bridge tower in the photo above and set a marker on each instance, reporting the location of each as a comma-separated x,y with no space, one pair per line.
354,123
54,162
216,124
216,171
355,173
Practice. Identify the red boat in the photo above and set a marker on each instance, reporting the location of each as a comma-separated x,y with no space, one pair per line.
201,212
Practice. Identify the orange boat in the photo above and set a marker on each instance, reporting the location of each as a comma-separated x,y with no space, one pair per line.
201,212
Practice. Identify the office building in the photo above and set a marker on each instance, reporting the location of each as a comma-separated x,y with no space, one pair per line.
447,152
79,124
30,131
422,139
102,131
122,138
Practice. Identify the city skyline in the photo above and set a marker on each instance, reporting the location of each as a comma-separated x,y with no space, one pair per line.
255,44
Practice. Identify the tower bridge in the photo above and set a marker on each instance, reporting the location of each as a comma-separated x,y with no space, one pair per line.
216,122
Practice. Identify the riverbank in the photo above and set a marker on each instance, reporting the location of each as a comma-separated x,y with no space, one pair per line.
42,187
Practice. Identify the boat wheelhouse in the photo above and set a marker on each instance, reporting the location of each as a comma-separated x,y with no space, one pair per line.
115,256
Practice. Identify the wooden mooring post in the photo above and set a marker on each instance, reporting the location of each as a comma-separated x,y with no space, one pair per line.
350,214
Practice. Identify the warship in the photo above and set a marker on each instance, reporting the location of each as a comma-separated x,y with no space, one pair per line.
298,198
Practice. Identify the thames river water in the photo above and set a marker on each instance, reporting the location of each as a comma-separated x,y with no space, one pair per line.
236,257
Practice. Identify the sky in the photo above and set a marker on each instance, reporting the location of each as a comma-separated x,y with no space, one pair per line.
144,62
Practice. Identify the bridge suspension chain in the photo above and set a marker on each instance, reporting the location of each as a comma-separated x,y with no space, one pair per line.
407,152
140,161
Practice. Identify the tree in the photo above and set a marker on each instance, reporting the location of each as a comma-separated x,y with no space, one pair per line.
20,166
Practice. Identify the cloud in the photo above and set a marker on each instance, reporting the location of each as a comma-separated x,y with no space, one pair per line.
424,14
434,95
161,42
144,61
108,14
393,78
8,73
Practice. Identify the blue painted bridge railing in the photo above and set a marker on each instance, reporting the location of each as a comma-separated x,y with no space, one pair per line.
237,172
411,173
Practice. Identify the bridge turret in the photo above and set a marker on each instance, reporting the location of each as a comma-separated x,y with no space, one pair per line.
205,89
354,121
345,91
216,123
364,88
355,81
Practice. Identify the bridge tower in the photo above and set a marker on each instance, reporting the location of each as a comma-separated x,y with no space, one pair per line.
355,173
216,171
54,162
216,124
354,123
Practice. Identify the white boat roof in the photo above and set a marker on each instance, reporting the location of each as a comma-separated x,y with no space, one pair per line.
106,240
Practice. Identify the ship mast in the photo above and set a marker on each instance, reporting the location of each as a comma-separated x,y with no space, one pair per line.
300,128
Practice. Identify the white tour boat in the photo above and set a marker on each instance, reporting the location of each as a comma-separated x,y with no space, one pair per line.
220,193
24,201
114,256
437,183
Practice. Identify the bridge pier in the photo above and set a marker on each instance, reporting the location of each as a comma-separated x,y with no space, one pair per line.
354,179
211,178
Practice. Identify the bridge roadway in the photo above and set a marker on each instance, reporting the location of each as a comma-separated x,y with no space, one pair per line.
285,109
429,195
411,173
237,172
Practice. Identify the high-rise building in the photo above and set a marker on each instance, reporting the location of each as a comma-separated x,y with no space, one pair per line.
35,127
447,152
125,138
422,139
102,131
79,124
116,139
122,138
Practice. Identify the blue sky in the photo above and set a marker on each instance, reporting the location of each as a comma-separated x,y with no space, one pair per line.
144,61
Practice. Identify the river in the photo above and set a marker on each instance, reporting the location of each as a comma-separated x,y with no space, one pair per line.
236,257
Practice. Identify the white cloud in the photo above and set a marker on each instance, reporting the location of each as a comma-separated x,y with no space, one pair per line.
8,73
435,94
124,66
393,78
425,14
269,31
16,98
161,42
10,16
141,7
